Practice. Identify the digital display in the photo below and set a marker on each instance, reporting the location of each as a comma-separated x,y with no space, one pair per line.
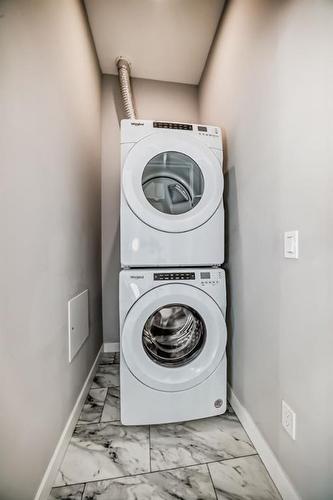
177,126
173,276
202,129
205,276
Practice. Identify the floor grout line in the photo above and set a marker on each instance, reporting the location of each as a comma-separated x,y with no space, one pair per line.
159,470
108,364
211,480
140,425
149,448
100,405
207,463
106,397
262,463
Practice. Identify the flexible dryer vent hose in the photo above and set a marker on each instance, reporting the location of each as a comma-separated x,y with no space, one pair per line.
125,87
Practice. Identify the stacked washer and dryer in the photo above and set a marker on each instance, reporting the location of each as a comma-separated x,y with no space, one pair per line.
172,287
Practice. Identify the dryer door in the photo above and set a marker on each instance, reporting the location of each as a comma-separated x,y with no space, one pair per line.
172,182
173,337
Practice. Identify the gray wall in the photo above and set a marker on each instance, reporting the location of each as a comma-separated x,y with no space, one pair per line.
50,227
269,83
154,100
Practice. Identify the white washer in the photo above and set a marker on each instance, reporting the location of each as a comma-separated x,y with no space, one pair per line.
172,344
171,198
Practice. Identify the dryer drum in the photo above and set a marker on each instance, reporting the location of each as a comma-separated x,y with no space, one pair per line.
168,196
174,335
172,182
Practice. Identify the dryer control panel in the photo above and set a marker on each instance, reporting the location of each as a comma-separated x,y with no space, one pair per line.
173,125
174,276
135,130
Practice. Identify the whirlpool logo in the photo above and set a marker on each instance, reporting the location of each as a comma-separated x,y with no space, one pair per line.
137,277
137,124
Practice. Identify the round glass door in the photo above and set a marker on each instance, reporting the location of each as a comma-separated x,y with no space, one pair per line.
174,335
172,182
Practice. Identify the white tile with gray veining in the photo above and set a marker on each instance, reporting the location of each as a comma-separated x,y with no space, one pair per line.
190,483
67,492
104,451
93,406
242,478
198,441
107,460
109,358
111,410
106,376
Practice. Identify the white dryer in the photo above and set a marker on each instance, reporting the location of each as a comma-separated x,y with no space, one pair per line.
172,344
171,196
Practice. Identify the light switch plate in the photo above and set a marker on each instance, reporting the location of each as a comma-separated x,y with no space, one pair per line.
78,323
291,245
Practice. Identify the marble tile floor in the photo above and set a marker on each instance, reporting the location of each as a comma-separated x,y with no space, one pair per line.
208,459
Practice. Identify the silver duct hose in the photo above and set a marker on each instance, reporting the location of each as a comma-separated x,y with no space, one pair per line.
125,87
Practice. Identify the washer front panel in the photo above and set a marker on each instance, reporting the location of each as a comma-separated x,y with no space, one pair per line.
147,149
173,378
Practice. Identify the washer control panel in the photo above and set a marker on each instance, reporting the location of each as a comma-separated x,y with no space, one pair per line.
208,278
204,278
174,276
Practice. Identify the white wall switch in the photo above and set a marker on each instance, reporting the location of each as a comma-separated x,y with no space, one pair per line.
78,323
291,244
289,420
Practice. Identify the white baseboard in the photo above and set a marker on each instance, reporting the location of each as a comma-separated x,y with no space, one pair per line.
56,459
111,347
272,464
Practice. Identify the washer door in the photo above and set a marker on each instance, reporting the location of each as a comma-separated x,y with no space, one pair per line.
173,337
172,183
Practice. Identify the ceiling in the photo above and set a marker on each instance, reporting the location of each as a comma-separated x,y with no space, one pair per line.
166,40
